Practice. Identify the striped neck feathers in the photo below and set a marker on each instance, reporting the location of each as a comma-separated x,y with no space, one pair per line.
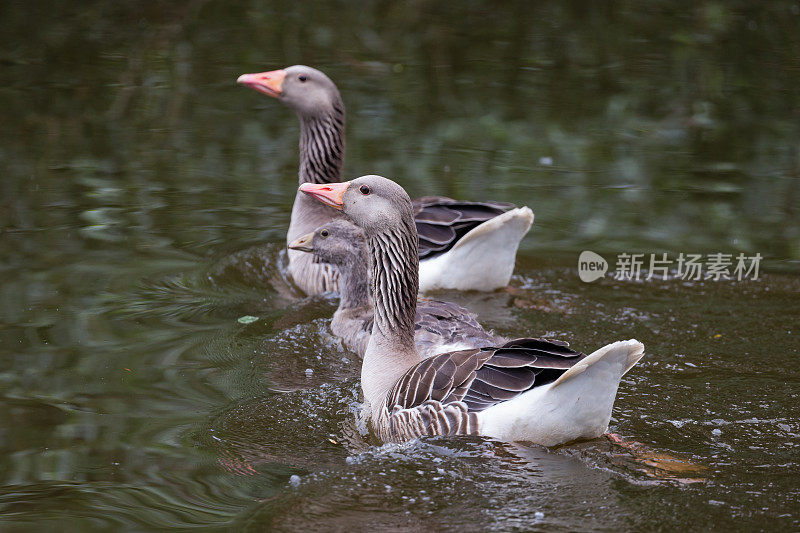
322,145
395,283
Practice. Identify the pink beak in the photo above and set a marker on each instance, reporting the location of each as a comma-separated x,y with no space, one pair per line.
327,193
269,83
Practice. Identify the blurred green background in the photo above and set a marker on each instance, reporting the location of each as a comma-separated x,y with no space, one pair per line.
665,126
143,207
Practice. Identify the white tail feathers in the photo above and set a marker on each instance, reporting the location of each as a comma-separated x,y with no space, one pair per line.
627,353
483,259
576,406
507,229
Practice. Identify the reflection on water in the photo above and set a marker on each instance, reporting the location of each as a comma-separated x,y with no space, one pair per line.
142,212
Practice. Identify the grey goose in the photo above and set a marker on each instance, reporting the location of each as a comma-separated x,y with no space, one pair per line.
527,389
463,245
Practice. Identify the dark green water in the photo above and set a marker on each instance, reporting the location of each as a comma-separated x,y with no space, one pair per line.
143,203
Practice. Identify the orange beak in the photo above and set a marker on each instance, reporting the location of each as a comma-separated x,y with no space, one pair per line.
327,193
269,83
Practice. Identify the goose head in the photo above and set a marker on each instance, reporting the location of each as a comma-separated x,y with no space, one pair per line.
306,90
374,203
338,243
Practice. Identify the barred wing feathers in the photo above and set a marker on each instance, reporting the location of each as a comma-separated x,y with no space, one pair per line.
443,394
442,221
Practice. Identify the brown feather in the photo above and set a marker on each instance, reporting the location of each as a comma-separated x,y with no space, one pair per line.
441,395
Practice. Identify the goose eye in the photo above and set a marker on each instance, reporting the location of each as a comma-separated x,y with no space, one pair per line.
365,190
324,233
302,77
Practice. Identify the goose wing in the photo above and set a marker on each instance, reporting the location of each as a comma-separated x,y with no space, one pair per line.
442,394
442,221
439,323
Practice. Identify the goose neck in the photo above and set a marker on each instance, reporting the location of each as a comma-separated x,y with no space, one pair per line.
395,283
354,281
322,146
394,263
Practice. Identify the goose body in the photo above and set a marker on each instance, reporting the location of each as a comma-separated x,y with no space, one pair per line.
443,223
438,326
483,259
526,389
576,406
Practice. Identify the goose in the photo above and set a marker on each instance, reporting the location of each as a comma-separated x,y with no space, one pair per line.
526,389
438,326
463,245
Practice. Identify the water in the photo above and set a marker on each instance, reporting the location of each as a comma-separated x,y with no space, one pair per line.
145,199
